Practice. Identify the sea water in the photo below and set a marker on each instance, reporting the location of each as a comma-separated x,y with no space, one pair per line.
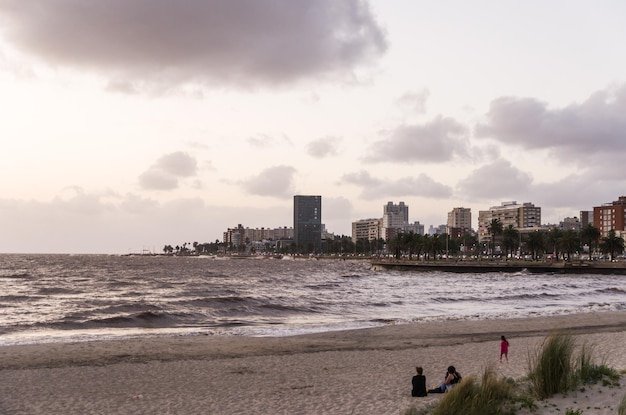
46,298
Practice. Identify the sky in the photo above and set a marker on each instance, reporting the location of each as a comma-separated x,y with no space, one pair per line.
126,125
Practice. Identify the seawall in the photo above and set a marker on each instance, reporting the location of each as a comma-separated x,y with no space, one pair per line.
575,267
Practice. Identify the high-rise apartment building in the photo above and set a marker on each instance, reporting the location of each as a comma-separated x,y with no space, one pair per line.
369,229
395,218
610,216
522,216
459,221
307,223
586,218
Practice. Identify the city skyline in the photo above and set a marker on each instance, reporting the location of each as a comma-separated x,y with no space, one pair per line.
127,125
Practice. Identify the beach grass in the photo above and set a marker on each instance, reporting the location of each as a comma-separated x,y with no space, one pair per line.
621,410
551,367
490,396
557,366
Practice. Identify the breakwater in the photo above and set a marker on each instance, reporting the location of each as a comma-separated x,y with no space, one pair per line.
565,267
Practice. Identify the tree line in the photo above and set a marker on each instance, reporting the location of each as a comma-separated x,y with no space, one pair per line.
508,242
503,242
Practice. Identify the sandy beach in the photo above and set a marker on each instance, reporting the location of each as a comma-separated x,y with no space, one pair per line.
365,371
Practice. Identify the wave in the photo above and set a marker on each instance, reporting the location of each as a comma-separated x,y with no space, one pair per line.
16,298
495,298
19,275
57,290
611,290
145,319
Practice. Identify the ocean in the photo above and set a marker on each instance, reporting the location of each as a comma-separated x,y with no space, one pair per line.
61,298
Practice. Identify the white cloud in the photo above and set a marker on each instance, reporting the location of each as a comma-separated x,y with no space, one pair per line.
496,181
165,173
439,140
420,186
274,181
323,147
578,133
415,101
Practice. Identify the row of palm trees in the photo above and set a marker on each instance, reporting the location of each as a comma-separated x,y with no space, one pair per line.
559,242
507,242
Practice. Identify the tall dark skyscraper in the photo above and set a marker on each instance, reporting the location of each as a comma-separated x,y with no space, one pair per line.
307,223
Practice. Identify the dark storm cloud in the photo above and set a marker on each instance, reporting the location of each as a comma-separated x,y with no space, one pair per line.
576,133
421,186
274,181
498,180
169,42
436,141
166,172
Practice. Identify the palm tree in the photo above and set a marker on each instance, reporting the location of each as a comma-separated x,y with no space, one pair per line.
510,239
427,244
612,244
494,228
468,240
536,243
570,243
408,243
553,241
591,235
417,244
393,245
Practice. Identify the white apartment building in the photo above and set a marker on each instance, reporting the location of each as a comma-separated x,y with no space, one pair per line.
370,229
460,219
522,216
395,217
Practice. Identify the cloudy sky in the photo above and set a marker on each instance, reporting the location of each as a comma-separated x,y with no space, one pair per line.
130,124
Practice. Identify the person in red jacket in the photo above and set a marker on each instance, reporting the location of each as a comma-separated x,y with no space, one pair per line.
504,348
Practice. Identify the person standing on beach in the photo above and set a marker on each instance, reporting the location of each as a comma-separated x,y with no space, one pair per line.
419,383
504,349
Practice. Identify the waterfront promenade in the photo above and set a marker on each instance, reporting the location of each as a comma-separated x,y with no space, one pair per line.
462,266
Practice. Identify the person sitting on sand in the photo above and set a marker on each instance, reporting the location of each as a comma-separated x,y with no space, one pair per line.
419,383
451,378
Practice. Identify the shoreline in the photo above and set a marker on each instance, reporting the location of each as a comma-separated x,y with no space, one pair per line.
365,371
391,337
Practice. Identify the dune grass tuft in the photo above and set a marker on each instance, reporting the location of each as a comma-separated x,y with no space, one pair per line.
550,369
558,366
621,409
491,396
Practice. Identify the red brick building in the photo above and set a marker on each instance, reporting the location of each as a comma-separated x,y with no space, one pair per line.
610,216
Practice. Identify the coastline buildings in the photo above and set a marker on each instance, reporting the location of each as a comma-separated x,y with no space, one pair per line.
522,216
395,220
570,224
238,236
369,229
586,217
309,235
610,216
307,223
459,222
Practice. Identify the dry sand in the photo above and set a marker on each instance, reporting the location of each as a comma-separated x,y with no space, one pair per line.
364,371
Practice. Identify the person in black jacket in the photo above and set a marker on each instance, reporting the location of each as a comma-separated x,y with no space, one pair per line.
451,378
419,383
